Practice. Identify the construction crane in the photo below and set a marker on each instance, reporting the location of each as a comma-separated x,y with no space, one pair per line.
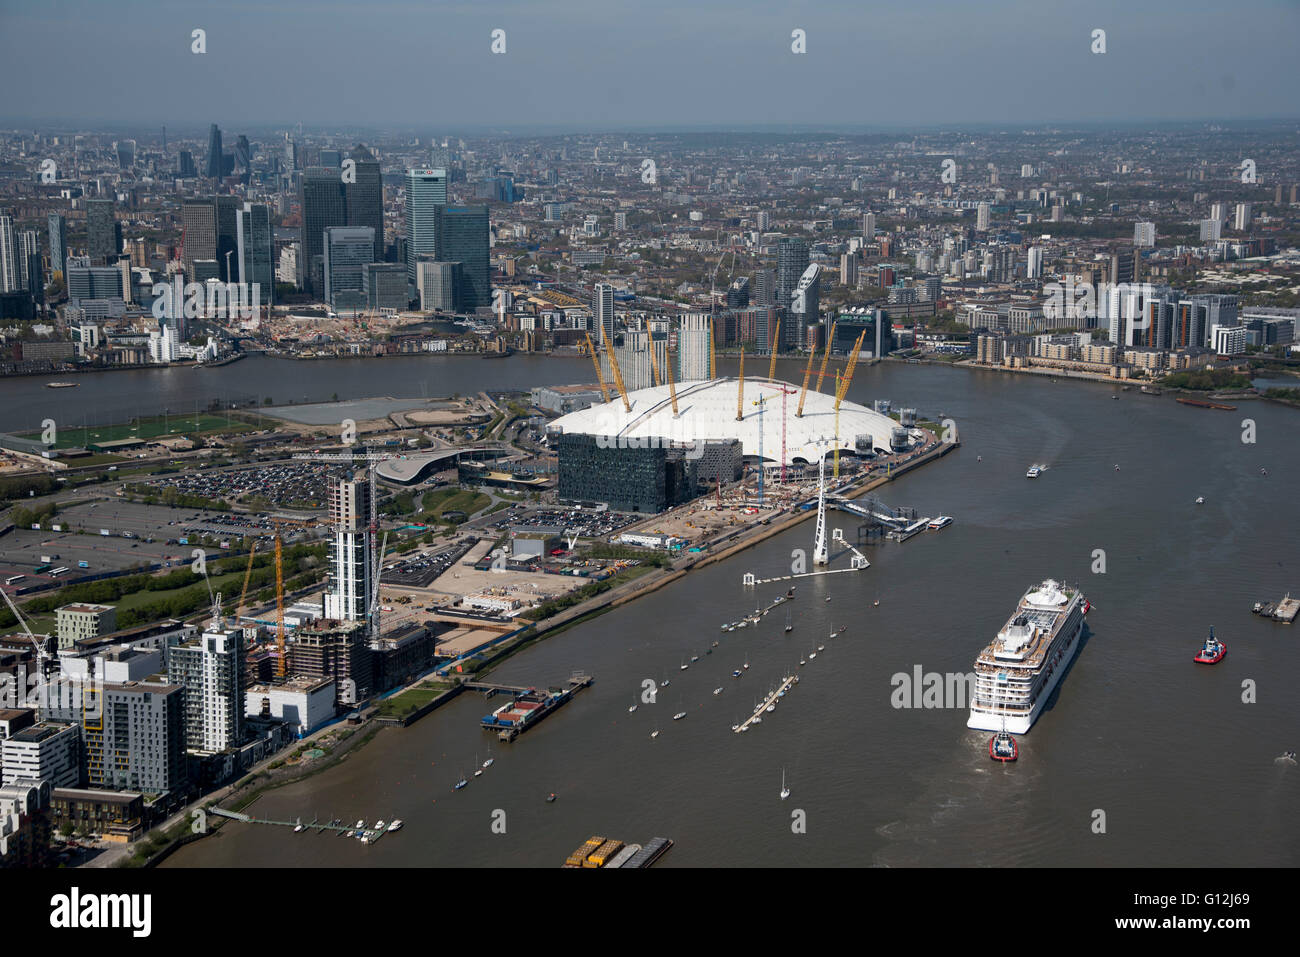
248,574
280,666
374,598
821,373
618,377
41,653
600,380
740,394
761,402
803,392
776,344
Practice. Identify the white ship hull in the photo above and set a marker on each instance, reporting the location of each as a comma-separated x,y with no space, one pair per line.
1020,721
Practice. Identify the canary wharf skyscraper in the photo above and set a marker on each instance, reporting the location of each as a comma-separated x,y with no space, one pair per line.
365,197
324,204
426,190
462,236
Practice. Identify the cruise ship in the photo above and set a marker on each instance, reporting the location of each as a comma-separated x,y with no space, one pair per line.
1016,673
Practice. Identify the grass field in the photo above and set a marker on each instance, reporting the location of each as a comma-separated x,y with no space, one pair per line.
451,499
400,705
146,428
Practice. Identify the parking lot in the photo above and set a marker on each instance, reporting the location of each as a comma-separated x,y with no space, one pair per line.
154,533
302,484
586,523
419,570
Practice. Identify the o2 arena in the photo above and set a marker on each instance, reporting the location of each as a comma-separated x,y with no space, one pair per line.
706,412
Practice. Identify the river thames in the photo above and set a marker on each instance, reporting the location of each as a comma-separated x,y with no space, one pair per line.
1142,758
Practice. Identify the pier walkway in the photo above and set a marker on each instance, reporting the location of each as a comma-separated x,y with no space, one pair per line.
771,699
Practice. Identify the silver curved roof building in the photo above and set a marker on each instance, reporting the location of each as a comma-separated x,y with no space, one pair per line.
707,412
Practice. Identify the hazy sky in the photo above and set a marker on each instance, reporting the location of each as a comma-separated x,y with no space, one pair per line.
427,64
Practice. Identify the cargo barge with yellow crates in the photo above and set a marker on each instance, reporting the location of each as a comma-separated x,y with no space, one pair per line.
609,853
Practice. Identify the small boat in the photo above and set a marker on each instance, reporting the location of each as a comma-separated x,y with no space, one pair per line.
876,603
790,593
821,647
679,715
359,825
789,626
1002,747
478,772
715,644
684,666
743,728
828,598
550,798
1034,472
297,828
396,825
654,733
490,761
1212,651
802,662
694,658
460,784
770,708
746,665
62,385
665,683
736,673
1117,468
717,691
785,791
735,727
1200,500
757,719
379,825
631,709
812,655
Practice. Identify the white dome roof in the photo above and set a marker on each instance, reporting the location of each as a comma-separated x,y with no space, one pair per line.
707,411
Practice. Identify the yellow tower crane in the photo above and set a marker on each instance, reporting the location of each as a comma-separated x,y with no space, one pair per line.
618,378
281,666
776,342
825,356
740,394
595,361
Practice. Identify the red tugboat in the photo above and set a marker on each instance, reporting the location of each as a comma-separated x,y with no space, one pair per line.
1002,747
1213,651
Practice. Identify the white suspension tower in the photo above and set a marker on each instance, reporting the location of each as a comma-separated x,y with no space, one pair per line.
821,554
